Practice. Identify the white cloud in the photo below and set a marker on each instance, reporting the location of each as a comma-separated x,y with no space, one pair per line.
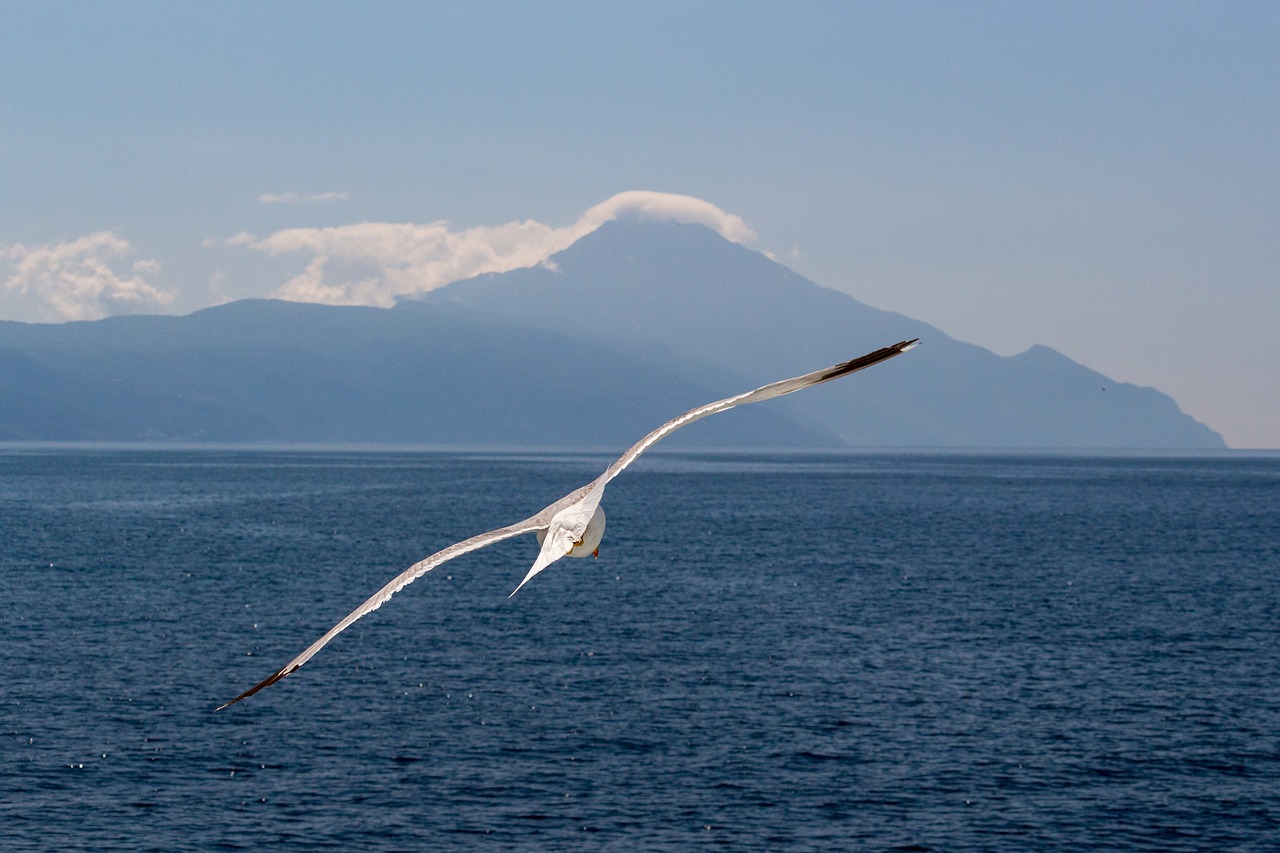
371,263
300,198
653,205
77,280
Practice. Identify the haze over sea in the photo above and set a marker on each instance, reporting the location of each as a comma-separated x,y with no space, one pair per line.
852,651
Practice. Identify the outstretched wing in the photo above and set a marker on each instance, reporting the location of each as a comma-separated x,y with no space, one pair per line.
398,583
766,392
574,511
568,517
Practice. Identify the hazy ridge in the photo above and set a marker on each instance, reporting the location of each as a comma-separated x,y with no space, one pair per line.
629,326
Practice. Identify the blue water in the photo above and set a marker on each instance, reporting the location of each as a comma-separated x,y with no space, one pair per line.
845,652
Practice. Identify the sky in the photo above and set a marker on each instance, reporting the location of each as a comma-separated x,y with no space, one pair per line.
1100,178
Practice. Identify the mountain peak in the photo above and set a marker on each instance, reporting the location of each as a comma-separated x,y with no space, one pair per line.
643,234
683,296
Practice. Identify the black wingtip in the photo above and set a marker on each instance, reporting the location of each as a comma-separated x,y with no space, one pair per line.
266,682
865,361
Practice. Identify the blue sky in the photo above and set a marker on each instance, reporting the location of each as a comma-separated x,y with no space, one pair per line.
1102,178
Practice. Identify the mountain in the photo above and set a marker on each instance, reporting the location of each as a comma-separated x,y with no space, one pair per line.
717,313
260,370
629,326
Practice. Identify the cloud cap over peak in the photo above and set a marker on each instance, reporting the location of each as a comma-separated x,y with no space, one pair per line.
645,204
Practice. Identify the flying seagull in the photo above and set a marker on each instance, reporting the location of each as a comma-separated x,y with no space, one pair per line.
574,525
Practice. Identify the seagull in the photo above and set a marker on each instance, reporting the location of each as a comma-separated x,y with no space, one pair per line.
574,525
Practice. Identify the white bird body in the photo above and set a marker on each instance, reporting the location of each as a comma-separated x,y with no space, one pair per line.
587,546
574,525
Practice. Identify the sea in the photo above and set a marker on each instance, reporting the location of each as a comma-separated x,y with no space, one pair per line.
916,651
